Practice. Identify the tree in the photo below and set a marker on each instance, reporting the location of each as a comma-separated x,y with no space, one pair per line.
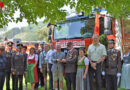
42,34
53,10
127,26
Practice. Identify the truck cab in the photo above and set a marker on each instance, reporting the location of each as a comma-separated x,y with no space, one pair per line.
79,30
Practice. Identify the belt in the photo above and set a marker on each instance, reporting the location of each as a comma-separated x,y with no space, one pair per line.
110,67
94,61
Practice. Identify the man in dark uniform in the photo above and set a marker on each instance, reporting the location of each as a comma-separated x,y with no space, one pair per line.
9,54
2,66
112,66
70,66
25,56
40,76
18,67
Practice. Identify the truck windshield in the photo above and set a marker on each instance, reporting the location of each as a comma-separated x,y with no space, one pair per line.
74,29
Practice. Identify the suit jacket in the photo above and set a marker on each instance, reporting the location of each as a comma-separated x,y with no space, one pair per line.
3,61
8,57
18,64
71,61
112,63
56,65
25,58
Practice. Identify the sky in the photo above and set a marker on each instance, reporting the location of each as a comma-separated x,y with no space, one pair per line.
19,24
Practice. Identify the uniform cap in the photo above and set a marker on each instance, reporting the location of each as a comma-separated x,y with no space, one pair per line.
10,43
19,45
111,41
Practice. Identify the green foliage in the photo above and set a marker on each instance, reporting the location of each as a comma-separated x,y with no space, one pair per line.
42,34
27,36
89,26
103,40
127,26
53,10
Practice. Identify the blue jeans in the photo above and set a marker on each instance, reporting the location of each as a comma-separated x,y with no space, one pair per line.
2,79
51,77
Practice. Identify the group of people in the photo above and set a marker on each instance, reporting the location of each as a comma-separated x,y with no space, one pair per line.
74,66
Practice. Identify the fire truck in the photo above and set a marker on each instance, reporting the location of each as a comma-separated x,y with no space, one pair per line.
79,29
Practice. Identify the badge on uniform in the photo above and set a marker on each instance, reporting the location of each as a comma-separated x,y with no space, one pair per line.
114,56
70,56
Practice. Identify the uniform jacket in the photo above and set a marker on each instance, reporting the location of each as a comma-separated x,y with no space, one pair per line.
18,64
2,63
112,63
25,57
8,55
71,61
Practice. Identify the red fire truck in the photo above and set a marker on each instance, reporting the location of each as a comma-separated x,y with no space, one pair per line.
79,29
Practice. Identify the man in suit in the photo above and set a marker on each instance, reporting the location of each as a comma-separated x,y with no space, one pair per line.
70,66
18,67
8,55
112,66
25,56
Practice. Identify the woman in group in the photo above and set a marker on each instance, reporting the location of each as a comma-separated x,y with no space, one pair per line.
31,75
82,70
125,79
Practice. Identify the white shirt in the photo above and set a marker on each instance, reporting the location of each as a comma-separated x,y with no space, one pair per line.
86,60
32,56
49,56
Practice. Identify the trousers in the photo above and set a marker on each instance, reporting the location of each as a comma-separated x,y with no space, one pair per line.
71,80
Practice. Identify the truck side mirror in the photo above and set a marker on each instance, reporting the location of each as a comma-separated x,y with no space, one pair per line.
107,32
107,25
50,31
49,37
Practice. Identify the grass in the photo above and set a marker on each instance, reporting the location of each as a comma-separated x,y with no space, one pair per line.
29,86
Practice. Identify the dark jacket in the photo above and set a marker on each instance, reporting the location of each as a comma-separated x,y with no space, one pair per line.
112,63
25,57
2,63
18,64
8,63
71,61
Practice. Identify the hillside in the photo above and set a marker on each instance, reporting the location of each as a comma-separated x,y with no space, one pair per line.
30,33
